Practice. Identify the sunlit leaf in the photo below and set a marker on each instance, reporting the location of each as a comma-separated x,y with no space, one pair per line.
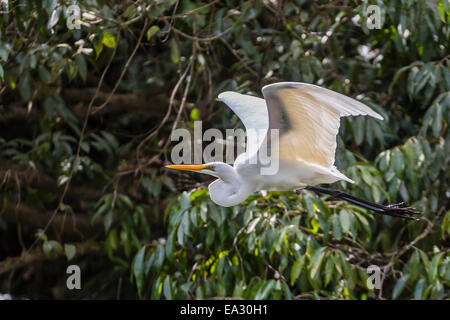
152,31
108,39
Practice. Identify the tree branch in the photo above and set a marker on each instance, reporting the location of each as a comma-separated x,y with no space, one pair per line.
44,181
67,224
37,255
118,102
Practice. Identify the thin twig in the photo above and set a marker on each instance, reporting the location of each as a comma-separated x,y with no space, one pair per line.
169,110
80,141
124,70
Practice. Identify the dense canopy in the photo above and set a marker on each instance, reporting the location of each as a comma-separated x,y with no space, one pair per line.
86,115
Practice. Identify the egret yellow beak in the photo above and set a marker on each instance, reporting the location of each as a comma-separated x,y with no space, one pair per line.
188,167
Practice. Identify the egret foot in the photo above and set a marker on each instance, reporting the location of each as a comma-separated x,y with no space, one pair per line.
399,210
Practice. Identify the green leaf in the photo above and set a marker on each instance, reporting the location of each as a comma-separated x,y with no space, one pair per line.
329,268
264,291
445,228
126,200
58,68
296,269
185,201
337,231
82,67
446,76
108,39
398,161
167,288
70,250
437,121
159,257
418,291
174,51
24,87
138,269
316,261
186,223
168,182
210,234
309,204
44,74
413,74
441,11
54,18
180,234
126,243
344,218
204,211
422,79
49,5
414,266
252,225
424,257
323,208
108,221
98,45
112,242
102,209
399,286
433,267
367,177
4,51
337,264
152,31
363,221
50,246
194,114
376,194
157,289
359,130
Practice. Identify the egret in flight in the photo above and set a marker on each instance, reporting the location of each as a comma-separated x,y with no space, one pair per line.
307,118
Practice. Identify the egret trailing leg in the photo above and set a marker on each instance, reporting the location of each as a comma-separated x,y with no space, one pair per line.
400,210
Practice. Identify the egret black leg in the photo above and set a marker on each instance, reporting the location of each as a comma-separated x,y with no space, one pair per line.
400,210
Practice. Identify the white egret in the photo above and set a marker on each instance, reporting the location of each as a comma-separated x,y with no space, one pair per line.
308,119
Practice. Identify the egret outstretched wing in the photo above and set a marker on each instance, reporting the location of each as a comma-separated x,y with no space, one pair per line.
252,111
308,119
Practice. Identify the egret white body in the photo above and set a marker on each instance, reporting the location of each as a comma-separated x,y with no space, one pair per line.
308,119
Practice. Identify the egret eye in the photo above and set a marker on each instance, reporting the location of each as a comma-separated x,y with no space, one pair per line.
211,167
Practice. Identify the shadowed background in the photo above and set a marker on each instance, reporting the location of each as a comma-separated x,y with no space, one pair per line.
85,123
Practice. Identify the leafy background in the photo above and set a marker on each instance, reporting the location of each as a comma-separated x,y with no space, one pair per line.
85,123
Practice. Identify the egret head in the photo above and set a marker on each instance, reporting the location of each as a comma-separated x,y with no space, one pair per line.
229,189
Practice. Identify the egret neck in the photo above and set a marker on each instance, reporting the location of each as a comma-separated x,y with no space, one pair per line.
229,189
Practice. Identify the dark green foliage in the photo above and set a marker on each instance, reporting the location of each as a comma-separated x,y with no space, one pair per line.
85,123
